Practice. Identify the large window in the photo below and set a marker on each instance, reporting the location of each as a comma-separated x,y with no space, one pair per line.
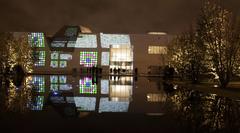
36,39
59,83
39,57
157,50
114,39
59,60
87,86
38,83
88,59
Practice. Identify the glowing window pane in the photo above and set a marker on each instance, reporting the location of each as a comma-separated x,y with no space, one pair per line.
104,86
63,64
85,103
39,83
54,64
88,59
58,44
85,41
54,87
54,55
105,59
38,103
54,79
36,39
65,56
86,86
62,79
114,39
112,106
65,87
157,50
39,58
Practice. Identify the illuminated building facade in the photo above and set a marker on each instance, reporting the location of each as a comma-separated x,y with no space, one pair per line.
71,50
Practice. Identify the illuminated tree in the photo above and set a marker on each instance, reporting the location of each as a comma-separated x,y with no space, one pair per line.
187,55
221,38
14,51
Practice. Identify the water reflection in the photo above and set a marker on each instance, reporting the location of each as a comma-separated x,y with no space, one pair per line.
82,95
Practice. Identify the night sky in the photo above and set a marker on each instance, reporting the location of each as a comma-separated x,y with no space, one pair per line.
109,16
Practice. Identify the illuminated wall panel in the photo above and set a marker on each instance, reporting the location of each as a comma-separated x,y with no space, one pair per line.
58,44
84,41
62,64
88,59
38,83
65,57
104,86
114,39
112,106
39,58
38,103
87,86
59,83
105,59
85,103
36,39
157,50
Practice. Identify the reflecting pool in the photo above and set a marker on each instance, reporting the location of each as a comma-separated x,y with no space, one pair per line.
112,104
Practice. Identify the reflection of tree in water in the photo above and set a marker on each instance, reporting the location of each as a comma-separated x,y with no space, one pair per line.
15,99
205,112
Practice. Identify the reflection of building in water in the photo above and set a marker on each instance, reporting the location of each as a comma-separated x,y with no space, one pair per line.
107,105
156,97
85,94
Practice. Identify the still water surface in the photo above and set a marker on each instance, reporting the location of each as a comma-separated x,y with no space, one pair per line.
112,104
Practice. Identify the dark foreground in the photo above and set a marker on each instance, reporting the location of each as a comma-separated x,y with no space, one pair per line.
122,104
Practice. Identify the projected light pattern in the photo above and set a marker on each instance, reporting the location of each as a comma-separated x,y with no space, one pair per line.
39,58
36,39
38,103
88,59
112,106
105,59
104,86
63,64
87,86
86,41
114,39
59,82
85,103
38,83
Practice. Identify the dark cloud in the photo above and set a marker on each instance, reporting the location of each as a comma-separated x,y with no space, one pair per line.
113,16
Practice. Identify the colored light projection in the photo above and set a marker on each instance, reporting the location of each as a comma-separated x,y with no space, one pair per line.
39,57
88,59
38,103
54,59
105,59
112,106
85,41
59,83
114,39
36,39
85,103
71,31
38,83
87,86
58,44
59,61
